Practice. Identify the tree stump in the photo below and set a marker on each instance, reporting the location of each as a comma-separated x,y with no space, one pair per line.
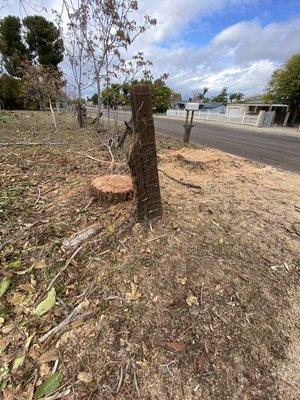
142,158
112,188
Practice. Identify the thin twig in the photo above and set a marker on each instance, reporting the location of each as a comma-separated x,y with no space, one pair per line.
75,314
38,198
85,208
154,239
55,366
136,384
64,267
94,159
187,184
59,395
120,381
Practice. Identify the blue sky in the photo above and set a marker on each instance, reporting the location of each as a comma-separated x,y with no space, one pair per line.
214,43
203,30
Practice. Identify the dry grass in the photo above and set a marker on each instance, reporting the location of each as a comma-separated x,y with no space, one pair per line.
195,306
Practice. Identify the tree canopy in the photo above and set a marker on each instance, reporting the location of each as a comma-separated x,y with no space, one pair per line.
12,48
284,85
162,95
44,41
41,42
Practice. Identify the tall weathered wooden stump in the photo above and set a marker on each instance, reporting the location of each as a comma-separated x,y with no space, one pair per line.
142,156
187,133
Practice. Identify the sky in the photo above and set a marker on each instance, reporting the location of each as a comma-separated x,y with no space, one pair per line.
213,43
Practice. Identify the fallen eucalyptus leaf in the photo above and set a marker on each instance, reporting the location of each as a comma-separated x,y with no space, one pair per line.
192,300
134,294
4,285
40,264
49,385
14,265
28,341
85,377
182,281
174,346
46,304
18,362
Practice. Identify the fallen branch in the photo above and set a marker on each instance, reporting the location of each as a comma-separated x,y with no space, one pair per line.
76,239
187,184
94,159
75,315
105,162
33,144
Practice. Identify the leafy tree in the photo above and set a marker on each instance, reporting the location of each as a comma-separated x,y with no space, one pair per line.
113,95
44,41
175,98
222,97
200,96
10,92
236,97
12,49
94,99
40,84
284,86
161,95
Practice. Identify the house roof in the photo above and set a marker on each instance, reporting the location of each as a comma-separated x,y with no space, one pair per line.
212,104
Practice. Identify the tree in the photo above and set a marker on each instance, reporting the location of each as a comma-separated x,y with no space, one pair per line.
222,97
113,95
44,41
284,86
236,97
10,92
109,28
40,84
12,49
161,95
94,99
200,96
175,98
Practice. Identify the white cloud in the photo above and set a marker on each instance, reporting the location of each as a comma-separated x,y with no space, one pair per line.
249,41
242,57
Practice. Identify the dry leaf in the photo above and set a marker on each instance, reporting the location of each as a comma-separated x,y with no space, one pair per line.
200,363
40,264
85,377
182,281
134,294
192,300
7,328
50,355
175,346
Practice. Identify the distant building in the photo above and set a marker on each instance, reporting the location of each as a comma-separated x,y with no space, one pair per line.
254,108
212,107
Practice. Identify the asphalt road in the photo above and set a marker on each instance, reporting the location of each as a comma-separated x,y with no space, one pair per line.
275,149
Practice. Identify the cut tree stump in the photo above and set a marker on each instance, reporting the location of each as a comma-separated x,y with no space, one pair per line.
112,188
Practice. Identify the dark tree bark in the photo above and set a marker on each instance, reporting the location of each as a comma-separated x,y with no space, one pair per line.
142,155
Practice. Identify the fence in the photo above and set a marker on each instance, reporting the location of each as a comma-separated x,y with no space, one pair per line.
244,119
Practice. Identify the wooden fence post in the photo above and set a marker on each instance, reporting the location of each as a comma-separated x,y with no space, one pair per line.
142,157
188,127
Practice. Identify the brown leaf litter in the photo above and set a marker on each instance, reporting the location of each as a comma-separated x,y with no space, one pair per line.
201,304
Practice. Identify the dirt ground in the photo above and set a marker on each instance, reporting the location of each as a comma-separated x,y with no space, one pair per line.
200,304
